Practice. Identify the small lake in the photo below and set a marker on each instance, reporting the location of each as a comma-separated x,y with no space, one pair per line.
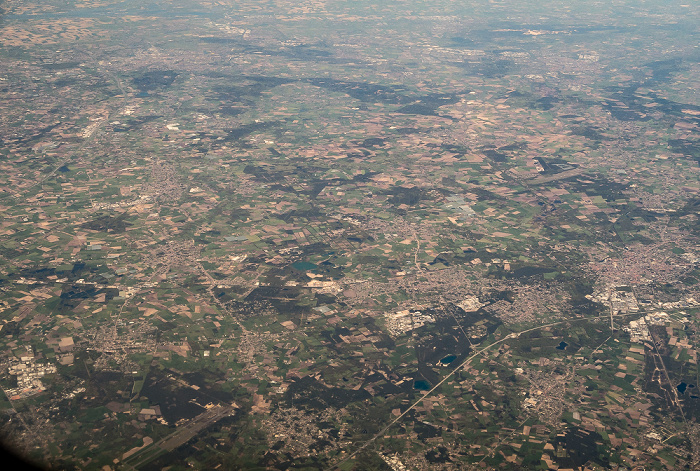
562,346
448,359
303,266
421,385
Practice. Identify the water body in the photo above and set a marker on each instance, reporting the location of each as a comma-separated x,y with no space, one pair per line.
691,388
448,359
421,385
562,346
304,266
682,387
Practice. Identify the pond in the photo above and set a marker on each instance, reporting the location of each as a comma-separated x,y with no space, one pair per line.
448,359
303,266
562,345
421,385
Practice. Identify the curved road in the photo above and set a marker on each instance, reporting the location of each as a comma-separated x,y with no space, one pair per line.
449,375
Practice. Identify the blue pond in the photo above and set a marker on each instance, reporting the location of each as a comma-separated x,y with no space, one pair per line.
421,385
448,359
562,346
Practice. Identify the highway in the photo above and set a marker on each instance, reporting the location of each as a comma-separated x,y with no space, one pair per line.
513,335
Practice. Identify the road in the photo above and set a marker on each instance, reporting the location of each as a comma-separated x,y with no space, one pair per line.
673,394
383,431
